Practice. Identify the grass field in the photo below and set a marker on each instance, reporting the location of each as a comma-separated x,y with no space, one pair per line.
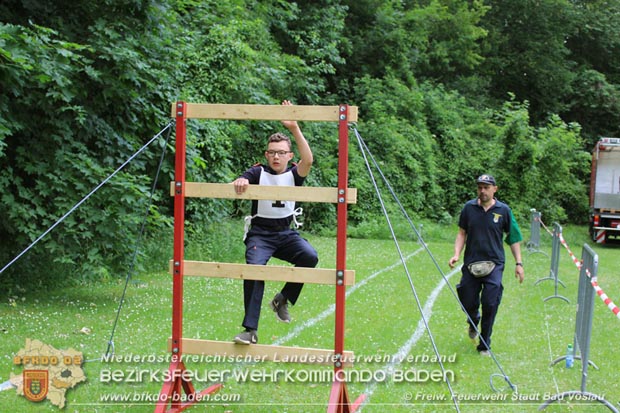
383,320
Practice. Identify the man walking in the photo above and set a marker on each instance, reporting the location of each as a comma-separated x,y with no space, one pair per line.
482,224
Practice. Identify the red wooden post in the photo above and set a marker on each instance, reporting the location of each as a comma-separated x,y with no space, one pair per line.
179,382
339,396
179,229
341,234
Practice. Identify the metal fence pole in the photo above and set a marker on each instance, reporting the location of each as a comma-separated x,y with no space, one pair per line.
583,332
533,244
555,261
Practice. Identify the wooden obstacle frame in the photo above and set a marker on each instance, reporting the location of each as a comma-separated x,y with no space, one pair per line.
178,393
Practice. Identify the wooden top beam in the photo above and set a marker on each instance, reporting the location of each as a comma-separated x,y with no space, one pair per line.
265,112
265,192
227,352
264,272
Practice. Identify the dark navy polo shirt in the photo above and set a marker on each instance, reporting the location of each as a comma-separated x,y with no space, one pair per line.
485,231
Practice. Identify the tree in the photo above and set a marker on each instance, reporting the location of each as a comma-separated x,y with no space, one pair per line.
595,47
542,167
525,53
436,40
84,85
71,113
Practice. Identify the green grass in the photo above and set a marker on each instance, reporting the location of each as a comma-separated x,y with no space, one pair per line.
382,316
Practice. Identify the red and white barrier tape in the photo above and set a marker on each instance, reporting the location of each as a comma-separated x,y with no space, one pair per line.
610,304
593,280
544,226
575,260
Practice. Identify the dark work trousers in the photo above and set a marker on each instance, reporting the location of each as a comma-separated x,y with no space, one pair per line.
485,292
261,245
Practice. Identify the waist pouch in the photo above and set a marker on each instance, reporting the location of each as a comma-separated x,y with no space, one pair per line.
481,268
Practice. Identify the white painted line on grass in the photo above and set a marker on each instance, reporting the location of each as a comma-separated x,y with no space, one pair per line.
555,382
332,308
427,312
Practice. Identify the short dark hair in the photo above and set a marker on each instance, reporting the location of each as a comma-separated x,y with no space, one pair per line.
279,137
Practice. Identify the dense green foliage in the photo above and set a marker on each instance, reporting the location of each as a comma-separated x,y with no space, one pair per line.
446,90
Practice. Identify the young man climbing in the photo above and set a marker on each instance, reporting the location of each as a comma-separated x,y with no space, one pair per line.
270,234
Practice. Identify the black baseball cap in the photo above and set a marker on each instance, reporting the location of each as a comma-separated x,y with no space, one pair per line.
486,179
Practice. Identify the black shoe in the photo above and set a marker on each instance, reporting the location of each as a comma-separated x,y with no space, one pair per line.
472,332
246,337
280,307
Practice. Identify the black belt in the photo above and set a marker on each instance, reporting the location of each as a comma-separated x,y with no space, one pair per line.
274,228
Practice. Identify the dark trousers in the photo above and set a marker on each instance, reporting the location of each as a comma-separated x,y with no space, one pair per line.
485,292
285,245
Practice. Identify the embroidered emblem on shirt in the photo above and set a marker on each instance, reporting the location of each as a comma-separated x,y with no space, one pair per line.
496,217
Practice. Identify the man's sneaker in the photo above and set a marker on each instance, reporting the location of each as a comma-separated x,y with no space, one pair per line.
472,332
280,307
246,337
485,353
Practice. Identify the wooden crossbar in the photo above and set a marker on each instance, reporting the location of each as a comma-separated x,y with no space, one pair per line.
265,112
265,192
227,351
264,272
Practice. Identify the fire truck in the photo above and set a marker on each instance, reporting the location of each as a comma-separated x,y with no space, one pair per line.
605,192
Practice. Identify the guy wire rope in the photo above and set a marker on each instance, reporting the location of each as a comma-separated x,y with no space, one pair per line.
77,205
363,150
84,199
137,244
362,143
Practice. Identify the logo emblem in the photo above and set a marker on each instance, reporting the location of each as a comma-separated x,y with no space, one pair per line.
496,217
36,384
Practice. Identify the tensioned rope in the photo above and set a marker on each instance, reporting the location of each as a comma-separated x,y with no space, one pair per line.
138,239
77,205
137,246
365,149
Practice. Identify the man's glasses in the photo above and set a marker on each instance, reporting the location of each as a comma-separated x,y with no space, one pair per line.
279,153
